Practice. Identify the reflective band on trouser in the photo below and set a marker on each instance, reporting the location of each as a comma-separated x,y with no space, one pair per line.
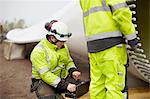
104,35
96,9
118,6
102,44
43,70
55,83
131,36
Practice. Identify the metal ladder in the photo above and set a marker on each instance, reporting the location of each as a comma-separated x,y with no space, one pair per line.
139,64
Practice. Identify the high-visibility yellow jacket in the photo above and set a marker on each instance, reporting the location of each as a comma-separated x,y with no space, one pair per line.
106,22
50,63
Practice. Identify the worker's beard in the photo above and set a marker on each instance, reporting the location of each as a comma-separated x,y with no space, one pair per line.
59,45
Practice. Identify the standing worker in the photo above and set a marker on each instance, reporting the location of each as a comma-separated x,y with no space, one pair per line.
107,24
51,63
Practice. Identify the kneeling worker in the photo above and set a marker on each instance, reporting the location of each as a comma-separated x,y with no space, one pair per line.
51,63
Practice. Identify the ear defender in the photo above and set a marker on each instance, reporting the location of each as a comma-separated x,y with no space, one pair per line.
48,25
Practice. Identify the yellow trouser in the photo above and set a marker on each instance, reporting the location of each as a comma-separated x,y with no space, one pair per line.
107,73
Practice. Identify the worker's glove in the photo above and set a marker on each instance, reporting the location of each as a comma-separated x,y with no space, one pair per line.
62,86
74,73
71,87
134,43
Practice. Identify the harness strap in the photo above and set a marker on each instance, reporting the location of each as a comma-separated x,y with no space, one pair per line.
35,84
103,44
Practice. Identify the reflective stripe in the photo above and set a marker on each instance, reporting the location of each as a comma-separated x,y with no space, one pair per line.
120,85
118,6
62,65
73,66
47,57
131,36
104,35
43,70
33,67
95,9
58,67
70,59
105,6
33,76
55,83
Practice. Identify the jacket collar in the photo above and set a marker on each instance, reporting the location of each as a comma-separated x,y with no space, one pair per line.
50,45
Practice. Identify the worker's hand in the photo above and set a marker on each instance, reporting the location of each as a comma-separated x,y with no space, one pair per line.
71,87
76,75
133,43
62,86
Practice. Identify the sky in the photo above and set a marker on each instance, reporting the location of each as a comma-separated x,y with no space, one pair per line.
32,11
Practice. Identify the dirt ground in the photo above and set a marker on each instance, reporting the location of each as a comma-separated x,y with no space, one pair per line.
15,78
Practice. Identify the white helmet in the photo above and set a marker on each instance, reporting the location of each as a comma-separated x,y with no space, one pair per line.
58,29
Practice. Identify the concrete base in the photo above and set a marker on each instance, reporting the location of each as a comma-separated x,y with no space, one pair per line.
16,51
13,50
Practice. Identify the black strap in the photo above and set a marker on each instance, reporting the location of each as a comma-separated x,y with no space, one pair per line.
102,44
37,94
35,84
125,90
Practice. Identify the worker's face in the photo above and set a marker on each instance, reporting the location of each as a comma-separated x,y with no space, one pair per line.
59,44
